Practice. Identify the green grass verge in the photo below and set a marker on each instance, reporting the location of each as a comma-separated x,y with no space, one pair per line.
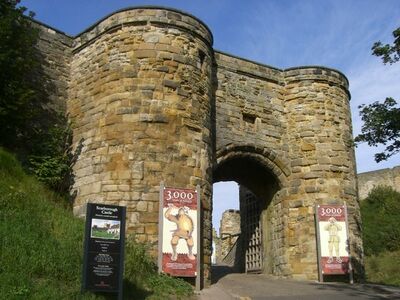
383,268
42,247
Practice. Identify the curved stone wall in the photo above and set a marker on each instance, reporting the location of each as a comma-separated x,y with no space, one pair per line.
322,159
140,105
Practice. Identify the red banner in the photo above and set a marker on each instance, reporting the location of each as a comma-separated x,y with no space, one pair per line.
333,239
179,236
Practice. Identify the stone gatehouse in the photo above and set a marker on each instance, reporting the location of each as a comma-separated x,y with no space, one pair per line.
150,100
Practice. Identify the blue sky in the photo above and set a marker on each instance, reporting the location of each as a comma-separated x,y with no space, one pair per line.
281,33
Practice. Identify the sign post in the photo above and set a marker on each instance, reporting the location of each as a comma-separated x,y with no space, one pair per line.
332,241
179,232
104,248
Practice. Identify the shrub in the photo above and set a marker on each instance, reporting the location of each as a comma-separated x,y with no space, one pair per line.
383,268
380,213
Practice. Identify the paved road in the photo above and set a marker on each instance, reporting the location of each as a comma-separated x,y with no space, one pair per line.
257,287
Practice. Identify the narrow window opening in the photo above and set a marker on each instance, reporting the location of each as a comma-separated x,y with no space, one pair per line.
249,118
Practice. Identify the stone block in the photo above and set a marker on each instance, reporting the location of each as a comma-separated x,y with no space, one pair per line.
145,53
148,217
151,229
141,206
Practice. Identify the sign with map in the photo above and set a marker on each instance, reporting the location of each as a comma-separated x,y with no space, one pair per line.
333,244
104,248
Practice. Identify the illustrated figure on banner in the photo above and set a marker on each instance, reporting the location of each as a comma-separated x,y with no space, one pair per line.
333,243
184,230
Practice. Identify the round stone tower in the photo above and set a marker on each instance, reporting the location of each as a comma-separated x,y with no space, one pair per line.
140,104
322,161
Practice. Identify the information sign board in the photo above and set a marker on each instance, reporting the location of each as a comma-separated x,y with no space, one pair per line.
104,248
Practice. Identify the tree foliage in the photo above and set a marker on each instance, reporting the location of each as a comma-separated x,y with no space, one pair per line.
389,53
380,213
382,120
50,160
381,126
18,97
29,126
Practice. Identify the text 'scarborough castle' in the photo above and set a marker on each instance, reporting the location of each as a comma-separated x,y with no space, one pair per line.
151,101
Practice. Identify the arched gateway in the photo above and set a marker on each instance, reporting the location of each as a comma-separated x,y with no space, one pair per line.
151,101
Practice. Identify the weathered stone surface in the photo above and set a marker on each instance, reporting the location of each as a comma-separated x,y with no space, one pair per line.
229,232
386,177
149,101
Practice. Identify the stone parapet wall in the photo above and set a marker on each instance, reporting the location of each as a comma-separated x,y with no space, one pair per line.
146,16
55,55
385,177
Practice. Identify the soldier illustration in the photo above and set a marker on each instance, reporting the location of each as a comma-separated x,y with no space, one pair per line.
184,230
333,243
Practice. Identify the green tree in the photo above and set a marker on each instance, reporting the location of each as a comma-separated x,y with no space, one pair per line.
388,53
381,126
39,135
382,120
380,213
18,98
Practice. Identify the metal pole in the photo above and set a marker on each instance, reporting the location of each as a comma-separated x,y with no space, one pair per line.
199,239
160,226
348,245
320,275
122,254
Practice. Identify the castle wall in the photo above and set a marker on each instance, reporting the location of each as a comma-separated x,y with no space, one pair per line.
55,54
249,105
140,103
368,180
229,232
149,100
322,160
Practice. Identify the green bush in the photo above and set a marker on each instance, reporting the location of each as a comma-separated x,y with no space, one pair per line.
141,272
380,213
50,159
383,268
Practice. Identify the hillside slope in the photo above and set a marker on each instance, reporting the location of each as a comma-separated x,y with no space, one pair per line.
42,246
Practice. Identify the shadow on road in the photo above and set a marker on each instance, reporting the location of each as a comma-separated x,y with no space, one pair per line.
220,271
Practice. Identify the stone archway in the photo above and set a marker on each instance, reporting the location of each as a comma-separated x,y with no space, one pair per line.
260,181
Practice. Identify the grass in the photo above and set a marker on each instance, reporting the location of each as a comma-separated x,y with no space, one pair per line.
383,268
42,247
104,234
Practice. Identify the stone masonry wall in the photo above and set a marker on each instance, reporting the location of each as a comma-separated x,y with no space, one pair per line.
322,161
140,103
388,177
150,101
229,232
249,105
55,55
